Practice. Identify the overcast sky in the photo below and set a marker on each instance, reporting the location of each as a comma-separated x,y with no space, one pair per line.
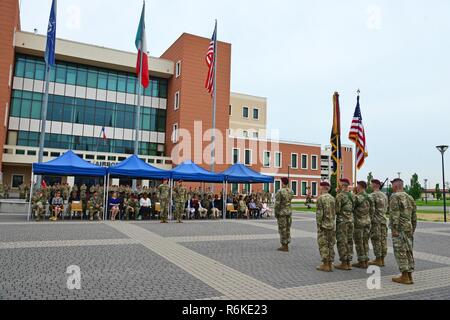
297,53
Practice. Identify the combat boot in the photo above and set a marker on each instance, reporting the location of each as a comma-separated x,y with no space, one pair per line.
377,262
360,265
330,266
382,262
342,266
284,248
325,267
410,277
403,279
349,265
179,221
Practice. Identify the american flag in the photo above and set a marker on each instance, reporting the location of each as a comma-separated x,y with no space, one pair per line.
210,57
358,136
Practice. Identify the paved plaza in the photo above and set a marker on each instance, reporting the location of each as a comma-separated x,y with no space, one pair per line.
198,260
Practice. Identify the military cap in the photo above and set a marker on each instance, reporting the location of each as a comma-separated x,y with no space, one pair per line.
345,181
325,184
285,181
397,180
376,181
362,184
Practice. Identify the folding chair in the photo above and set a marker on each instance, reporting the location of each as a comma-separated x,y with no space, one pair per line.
231,210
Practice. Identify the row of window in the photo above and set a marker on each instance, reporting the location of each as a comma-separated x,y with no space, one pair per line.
26,104
278,159
93,144
87,76
306,188
246,111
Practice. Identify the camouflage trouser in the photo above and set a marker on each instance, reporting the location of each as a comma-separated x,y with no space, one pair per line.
130,211
94,211
361,236
378,237
164,210
179,208
403,252
284,229
326,240
39,211
344,238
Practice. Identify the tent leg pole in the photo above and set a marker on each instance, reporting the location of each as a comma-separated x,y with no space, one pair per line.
31,196
171,195
224,202
105,194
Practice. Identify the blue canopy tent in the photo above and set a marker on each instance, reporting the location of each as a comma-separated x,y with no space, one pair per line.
68,164
189,171
133,167
240,173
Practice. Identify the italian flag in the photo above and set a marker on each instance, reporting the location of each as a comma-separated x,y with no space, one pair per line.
141,45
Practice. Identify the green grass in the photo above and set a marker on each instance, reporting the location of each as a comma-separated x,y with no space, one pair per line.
430,212
431,203
303,209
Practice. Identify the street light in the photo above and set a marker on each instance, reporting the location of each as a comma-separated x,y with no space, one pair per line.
442,150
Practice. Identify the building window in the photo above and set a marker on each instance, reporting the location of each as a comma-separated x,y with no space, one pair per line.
314,189
266,159
230,109
245,134
277,185
294,187
294,160
278,159
247,187
245,112
255,114
175,133
314,164
266,187
236,156
248,157
304,161
304,188
255,135
178,69
17,180
234,188
176,103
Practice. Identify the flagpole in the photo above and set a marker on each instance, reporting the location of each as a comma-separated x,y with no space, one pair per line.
138,110
213,137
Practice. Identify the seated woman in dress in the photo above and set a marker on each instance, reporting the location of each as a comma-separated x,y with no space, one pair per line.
114,205
57,206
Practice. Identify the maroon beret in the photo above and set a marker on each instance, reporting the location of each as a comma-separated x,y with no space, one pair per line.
325,184
285,181
345,181
362,184
396,180
376,181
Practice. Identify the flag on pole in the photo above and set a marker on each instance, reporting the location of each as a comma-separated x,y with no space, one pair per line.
335,140
210,62
104,137
358,136
51,37
43,184
141,46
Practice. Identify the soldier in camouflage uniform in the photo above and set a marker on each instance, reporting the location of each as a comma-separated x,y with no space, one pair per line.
283,213
164,200
22,191
180,198
83,198
6,189
132,207
326,227
2,192
344,225
403,223
378,229
361,233
95,207
38,204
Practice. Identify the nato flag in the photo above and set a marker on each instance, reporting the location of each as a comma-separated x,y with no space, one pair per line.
51,37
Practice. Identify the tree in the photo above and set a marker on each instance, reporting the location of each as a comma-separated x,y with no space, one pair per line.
369,182
438,192
416,189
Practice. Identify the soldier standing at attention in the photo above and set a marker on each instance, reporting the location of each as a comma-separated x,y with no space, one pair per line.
164,199
326,227
180,200
403,223
344,225
361,234
283,213
378,229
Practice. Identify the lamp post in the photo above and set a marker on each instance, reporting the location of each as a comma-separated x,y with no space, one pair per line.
426,192
442,150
